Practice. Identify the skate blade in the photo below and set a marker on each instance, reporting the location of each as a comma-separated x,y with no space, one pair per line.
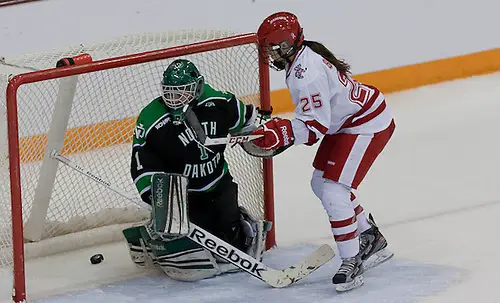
378,258
343,287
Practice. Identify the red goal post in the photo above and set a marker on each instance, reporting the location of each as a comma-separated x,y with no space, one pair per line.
14,151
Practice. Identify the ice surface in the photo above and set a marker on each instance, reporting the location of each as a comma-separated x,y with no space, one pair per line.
399,281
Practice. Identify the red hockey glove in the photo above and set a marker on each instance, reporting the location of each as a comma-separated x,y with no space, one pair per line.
277,133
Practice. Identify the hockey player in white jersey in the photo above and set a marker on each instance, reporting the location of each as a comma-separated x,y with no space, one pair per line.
354,125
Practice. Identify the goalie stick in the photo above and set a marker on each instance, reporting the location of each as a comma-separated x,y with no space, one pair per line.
273,277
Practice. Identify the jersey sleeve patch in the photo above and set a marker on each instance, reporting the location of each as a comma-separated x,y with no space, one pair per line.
152,114
139,134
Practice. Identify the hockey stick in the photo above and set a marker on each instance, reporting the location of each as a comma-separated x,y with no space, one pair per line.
273,277
207,141
230,139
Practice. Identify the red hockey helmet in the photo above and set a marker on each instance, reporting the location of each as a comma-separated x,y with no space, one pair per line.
280,36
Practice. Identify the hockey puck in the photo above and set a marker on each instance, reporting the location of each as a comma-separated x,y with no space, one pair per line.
96,259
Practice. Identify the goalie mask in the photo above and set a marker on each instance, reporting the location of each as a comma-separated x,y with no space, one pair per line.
182,84
280,37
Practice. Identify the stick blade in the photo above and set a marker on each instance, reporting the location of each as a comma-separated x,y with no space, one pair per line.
288,276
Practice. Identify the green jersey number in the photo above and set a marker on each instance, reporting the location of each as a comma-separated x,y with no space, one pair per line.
203,152
139,166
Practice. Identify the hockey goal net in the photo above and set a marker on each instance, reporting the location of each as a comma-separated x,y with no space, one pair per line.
87,113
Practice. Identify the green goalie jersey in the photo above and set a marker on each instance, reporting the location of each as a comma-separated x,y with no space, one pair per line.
162,146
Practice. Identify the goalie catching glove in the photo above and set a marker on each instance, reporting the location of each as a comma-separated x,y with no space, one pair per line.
277,133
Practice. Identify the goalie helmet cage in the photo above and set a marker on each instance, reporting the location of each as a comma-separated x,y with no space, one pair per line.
21,143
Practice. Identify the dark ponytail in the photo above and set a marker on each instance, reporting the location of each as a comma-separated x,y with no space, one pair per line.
324,52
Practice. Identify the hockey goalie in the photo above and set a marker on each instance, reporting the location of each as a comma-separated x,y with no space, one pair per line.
185,181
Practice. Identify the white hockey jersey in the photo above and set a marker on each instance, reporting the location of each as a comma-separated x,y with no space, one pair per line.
328,102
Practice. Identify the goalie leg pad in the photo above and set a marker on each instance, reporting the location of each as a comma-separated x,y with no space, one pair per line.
139,249
180,259
169,209
184,260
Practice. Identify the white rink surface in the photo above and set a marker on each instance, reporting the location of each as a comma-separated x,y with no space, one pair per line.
435,193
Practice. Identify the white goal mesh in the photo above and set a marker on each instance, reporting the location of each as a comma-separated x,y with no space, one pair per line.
98,137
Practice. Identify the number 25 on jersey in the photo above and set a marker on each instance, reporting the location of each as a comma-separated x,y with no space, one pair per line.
314,101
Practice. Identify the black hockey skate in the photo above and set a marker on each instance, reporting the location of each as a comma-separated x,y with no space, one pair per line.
349,275
373,246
